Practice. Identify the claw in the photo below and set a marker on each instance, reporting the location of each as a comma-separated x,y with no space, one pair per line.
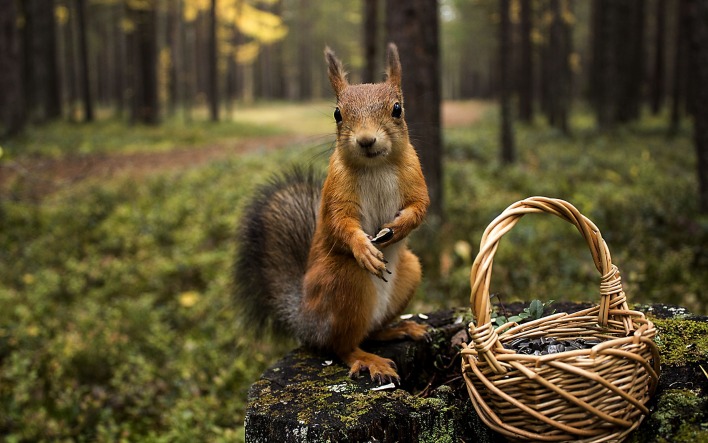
382,370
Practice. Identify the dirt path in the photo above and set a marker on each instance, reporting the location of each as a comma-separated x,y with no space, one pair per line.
41,176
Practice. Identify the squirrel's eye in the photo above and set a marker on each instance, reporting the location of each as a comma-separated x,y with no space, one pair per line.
338,115
397,110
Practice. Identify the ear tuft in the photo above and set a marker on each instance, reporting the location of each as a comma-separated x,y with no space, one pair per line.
337,75
393,66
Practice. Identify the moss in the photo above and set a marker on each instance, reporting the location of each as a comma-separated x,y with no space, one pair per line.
682,341
441,430
680,416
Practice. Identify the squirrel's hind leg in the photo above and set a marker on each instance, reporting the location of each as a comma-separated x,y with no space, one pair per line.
404,329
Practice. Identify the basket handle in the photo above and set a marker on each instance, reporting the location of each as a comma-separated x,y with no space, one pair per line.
611,294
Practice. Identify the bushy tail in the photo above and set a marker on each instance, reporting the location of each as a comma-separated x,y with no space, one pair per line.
274,238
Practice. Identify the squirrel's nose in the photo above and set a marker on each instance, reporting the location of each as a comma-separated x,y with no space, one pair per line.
366,141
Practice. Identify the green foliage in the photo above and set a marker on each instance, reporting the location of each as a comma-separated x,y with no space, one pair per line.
60,138
118,324
637,185
534,311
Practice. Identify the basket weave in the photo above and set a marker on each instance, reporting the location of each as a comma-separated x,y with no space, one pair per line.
592,395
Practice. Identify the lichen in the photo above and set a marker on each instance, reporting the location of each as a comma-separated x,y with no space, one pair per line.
682,341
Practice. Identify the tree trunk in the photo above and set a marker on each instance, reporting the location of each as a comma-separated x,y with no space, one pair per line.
678,90
413,26
558,81
526,73
213,68
617,60
41,69
144,85
189,74
631,58
174,24
70,83
657,93
698,59
12,100
304,49
508,150
85,78
371,40
277,73
119,54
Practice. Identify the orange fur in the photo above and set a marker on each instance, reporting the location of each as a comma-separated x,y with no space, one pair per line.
374,181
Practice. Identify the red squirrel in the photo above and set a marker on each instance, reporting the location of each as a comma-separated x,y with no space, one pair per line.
332,267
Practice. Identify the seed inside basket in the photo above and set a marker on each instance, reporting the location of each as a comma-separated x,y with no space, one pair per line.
549,345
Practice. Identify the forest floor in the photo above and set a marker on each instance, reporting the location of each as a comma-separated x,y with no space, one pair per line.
42,175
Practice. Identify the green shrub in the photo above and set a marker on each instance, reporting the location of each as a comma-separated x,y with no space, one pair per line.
636,185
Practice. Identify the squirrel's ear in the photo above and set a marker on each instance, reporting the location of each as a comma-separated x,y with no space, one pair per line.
337,76
393,68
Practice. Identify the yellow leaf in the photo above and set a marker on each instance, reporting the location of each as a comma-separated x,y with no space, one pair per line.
62,14
574,62
189,298
260,25
140,5
33,330
127,25
463,250
246,54
193,7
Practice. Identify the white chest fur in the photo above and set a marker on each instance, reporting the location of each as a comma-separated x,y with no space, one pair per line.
380,200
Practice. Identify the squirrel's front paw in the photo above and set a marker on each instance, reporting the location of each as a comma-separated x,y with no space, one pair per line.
370,258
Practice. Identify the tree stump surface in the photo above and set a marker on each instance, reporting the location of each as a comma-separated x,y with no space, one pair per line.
309,397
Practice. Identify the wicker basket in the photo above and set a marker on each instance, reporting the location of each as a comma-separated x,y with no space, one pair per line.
596,394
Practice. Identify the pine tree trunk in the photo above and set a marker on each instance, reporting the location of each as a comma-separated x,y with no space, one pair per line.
41,68
413,26
174,25
304,49
84,76
631,57
526,73
508,149
189,75
12,103
678,90
657,98
213,61
371,40
698,59
119,54
144,84
558,82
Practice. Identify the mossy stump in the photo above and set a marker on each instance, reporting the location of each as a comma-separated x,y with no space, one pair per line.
308,397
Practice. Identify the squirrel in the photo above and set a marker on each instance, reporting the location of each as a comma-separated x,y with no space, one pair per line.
329,262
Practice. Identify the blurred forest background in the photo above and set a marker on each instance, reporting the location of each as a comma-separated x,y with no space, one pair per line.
133,131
